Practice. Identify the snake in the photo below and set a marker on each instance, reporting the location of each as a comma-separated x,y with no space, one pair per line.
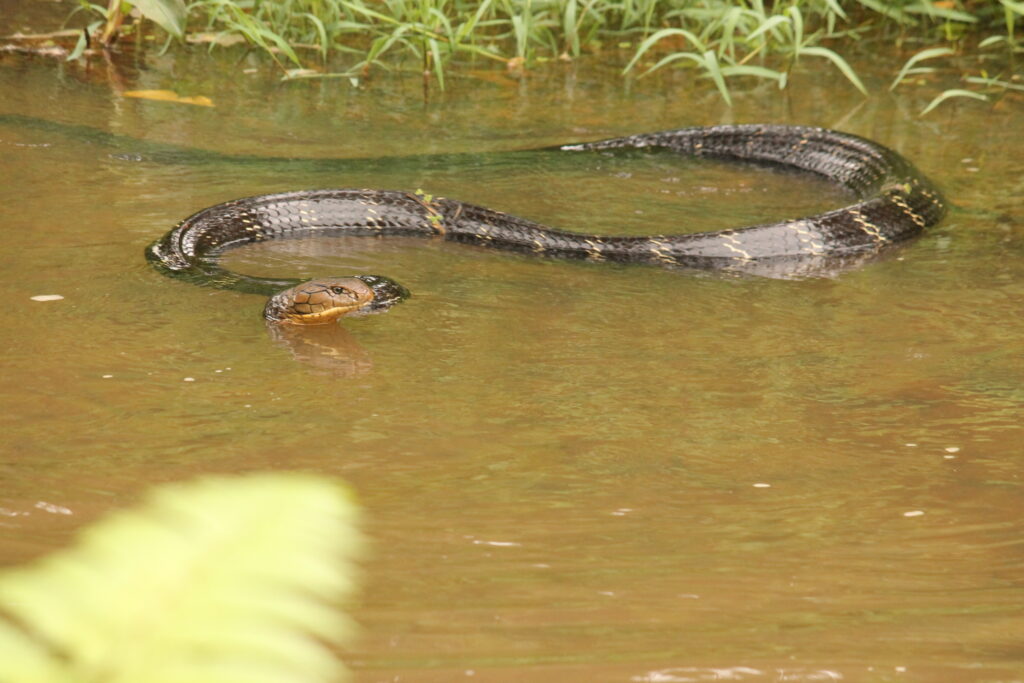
894,202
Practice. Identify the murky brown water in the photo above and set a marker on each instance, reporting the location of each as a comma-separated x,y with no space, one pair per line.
571,471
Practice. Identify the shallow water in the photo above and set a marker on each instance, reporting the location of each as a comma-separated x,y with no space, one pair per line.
571,471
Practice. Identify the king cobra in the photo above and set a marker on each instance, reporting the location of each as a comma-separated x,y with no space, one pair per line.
894,202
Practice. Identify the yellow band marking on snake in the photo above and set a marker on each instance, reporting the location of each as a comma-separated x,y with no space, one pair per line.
656,248
899,201
931,197
733,244
595,250
484,231
807,238
868,227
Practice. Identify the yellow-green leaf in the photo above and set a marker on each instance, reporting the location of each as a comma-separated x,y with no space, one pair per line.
930,53
169,96
167,14
840,64
225,579
955,92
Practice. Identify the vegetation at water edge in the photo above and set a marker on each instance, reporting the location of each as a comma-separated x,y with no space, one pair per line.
721,40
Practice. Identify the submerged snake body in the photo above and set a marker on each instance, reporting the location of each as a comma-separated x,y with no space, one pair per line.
894,203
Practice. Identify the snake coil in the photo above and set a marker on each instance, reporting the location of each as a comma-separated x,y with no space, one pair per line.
894,203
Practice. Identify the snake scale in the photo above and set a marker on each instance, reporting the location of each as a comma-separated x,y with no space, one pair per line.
894,202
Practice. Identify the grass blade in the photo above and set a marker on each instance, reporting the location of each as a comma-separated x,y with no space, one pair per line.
940,12
656,37
951,94
836,8
768,25
994,83
840,63
930,53
167,14
675,57
884,8
755,71
435,53
321,31
710,62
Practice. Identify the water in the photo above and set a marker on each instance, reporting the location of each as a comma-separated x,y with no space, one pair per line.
571,471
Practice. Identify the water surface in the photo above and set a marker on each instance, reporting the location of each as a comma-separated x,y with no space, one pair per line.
571,471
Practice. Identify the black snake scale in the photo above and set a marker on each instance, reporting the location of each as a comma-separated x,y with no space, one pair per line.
894,203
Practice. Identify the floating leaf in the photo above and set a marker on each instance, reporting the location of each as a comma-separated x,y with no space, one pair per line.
304,73
221,39
169,96
224,579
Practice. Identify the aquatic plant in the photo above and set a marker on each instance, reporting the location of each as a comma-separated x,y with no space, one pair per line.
721,39
224,579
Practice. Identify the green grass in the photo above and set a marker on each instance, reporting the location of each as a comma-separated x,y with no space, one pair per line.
721,40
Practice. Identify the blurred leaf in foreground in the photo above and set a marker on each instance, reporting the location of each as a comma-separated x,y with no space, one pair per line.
226,580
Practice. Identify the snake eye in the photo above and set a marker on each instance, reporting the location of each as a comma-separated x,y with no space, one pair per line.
338,290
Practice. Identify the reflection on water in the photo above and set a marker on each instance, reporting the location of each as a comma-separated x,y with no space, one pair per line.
327,348
572,471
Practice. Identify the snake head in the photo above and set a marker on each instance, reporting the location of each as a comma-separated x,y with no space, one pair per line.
322,301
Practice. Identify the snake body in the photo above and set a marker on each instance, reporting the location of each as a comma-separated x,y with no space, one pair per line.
894,202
